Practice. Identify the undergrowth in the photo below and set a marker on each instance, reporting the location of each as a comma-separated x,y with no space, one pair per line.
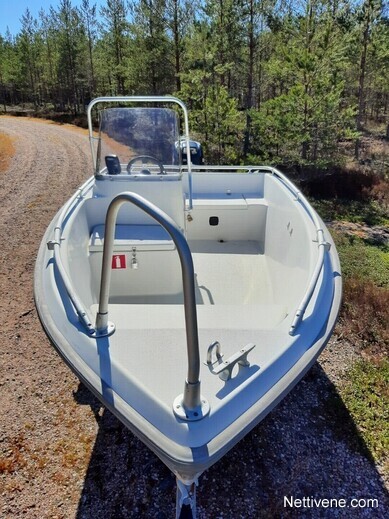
364,314
363,260
364,391
369,212
353,196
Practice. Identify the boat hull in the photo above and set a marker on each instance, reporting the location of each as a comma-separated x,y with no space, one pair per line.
189,460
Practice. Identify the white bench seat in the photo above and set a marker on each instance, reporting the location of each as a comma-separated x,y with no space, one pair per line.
143,237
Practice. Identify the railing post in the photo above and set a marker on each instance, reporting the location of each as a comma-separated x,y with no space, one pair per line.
190,405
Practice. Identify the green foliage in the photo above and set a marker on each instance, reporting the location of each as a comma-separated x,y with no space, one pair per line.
116,39
269,81
215,119
10,65
152,70
368,212
363,260
224,126
307,117
287,123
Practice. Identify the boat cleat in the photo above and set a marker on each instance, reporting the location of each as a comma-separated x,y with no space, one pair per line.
224,368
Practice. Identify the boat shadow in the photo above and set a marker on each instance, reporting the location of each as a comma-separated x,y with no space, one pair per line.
308,447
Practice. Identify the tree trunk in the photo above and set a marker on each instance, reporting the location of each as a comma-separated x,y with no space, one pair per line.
177,46
362,76
250,80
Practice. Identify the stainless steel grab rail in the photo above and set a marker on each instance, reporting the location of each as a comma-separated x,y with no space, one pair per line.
190,405
55,246
322,244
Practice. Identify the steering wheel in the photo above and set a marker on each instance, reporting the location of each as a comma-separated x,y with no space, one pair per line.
144,163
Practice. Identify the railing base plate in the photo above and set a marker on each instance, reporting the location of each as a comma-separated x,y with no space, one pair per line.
190,415
105,332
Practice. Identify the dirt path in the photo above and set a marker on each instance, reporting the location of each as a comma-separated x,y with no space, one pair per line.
49,163
62,455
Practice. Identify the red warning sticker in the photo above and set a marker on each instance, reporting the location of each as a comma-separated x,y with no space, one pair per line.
119,261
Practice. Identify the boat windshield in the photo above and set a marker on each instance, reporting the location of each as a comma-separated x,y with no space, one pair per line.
141,141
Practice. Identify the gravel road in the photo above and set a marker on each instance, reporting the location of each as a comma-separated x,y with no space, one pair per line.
62,455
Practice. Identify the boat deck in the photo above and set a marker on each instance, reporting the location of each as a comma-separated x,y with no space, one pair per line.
171,317
234,306
147,358
233,272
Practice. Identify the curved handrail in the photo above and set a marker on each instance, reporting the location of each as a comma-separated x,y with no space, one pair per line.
55,246
191,397
322,244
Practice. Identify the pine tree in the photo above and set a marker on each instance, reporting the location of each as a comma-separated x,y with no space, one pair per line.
9,71
179,18
369,14
68,72
306,115
29,56
116,42
88,18
153,70
49,57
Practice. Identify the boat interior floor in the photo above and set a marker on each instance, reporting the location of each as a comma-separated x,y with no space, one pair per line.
233,272
234,301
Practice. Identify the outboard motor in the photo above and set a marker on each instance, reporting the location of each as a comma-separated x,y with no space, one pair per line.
196,153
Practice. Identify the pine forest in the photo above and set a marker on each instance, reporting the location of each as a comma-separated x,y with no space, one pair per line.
291,82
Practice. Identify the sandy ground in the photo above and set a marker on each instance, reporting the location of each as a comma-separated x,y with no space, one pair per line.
62,455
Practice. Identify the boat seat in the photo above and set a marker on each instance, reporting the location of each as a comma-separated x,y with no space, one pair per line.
142,237
237,203
234,202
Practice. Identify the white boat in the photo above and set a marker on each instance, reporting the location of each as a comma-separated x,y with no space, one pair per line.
155,276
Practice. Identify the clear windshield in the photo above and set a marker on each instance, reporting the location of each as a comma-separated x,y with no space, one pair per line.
138,141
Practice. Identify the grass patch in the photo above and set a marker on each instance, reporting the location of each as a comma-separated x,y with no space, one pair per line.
360,411
366,396
7,151
364,314
363,260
